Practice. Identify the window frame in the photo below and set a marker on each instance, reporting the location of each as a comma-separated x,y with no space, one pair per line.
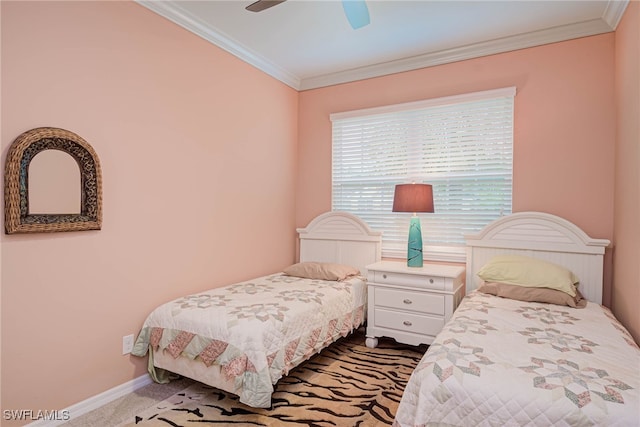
431,252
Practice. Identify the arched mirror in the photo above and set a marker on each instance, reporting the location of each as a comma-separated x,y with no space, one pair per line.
53,182
59,196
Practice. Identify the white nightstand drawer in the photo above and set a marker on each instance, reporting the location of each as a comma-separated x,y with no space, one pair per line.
411,304
408,322
391,278
406,300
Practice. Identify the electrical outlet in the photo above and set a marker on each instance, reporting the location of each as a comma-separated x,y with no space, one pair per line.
127,344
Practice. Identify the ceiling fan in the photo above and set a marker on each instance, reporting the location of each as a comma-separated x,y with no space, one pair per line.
356,11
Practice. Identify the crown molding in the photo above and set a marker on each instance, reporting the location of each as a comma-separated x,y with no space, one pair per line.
613,12
608,22
476,50
176,14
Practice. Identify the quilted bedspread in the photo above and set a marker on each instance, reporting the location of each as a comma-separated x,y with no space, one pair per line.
501,362
255,331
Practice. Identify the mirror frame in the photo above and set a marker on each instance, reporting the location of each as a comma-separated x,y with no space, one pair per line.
16,179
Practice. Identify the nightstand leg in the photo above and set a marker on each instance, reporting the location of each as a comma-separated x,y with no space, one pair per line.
371,342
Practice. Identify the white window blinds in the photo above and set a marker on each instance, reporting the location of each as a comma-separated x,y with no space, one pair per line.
462,145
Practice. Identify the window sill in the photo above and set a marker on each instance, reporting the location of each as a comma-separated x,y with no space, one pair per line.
438,254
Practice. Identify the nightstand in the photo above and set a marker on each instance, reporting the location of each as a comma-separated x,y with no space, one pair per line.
411,304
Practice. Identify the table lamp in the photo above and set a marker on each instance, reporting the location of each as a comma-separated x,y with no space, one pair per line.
413,198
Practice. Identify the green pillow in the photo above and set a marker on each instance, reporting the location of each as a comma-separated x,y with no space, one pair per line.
530,272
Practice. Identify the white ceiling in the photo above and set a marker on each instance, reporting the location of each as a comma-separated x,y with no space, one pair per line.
309,43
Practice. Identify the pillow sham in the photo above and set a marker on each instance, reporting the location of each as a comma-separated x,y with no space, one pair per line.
531,272
321,270
522,293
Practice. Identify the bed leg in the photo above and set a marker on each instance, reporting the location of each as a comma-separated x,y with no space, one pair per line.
371,342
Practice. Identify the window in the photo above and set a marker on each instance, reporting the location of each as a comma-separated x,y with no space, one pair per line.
462,145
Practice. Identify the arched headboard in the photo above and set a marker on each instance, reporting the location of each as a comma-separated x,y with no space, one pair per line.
342,238
540,235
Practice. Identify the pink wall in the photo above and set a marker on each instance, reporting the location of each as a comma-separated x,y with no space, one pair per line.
564,127
198,154
626,289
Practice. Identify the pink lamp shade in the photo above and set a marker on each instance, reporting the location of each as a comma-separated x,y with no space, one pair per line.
413,198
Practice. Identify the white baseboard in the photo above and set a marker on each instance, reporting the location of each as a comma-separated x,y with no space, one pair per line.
80,408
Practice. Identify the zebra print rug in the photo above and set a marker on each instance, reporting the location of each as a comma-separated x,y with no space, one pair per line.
347,384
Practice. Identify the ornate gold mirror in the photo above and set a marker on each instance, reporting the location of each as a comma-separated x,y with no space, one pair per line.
35,201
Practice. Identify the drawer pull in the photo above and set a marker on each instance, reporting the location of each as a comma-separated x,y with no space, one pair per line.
407,301
431,281
407,323
384,276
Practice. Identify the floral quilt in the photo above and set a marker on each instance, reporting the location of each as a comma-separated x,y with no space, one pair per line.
257,330
501,362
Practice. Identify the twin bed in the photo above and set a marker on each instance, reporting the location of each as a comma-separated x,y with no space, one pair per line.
501,361
244,337
498,361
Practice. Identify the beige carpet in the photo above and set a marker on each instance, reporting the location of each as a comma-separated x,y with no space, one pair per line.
347,384
125,407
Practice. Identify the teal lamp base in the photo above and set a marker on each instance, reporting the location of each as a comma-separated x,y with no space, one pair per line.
414,246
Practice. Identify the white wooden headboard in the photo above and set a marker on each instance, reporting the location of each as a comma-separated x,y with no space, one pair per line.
540,235
342,238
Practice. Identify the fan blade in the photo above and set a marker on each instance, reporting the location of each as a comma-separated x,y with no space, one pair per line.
261,5
357,13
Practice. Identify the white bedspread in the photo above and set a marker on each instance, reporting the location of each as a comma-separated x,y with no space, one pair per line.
257,330
501,362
